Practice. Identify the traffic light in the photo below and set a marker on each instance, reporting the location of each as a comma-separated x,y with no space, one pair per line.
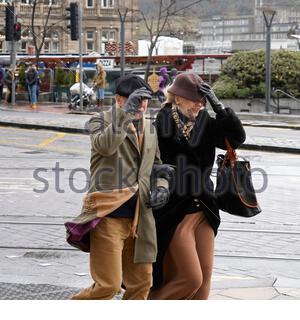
74,18
9,22
17,31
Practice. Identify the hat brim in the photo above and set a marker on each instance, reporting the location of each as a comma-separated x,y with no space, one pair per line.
177,91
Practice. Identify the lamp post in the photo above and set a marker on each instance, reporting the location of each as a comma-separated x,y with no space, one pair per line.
122,17
268,14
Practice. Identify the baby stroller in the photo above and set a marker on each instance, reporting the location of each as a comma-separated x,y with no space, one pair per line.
87,96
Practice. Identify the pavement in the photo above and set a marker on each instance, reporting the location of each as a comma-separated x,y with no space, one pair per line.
250,263
45,118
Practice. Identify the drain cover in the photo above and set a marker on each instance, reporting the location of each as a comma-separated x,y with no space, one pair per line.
17,291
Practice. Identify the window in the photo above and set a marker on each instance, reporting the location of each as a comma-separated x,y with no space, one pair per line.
48,34
50,2
189,49
46,47
23,46
1,46
90,3
26,1
108,35
90,35
55,47
107,3
90,46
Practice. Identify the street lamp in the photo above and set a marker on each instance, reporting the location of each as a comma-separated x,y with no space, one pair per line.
122,16
268,14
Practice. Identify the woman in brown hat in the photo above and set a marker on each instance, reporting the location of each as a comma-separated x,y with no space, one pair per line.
188,224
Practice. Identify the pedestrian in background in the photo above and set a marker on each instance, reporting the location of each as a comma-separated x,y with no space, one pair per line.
122,236
173,74
32,82
8,78
188,224
164,81
99,84
1,81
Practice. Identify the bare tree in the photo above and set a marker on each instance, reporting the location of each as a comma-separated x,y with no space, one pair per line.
40,31
157,20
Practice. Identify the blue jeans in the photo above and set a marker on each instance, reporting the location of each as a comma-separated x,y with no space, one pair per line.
100,93
32,90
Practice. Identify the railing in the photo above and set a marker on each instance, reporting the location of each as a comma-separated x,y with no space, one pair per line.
278,93
90,12
108,12
55,10
26,9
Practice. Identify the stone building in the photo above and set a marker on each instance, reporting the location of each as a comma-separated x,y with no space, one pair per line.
233,33
101,24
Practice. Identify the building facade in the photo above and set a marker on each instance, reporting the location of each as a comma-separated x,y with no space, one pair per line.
101,25
230,33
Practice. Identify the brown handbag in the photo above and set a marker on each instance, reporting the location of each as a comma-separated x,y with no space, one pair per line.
234,190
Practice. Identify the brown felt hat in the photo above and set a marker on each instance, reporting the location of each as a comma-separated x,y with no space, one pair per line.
185,85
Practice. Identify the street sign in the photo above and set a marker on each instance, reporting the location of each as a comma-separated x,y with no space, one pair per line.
106,63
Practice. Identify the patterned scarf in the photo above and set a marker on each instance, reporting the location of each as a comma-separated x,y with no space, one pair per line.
185,127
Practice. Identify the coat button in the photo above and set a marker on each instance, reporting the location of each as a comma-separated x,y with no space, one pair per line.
198,205
196,200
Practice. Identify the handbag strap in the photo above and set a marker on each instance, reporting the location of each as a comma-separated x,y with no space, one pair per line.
232,157
230,154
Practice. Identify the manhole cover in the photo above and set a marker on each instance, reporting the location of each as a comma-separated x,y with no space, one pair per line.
17,291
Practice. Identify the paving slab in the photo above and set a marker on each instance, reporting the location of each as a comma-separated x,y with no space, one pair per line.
287,283
242,282
263,293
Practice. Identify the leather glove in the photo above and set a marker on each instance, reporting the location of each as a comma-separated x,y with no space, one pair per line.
206,90
133,102
158,198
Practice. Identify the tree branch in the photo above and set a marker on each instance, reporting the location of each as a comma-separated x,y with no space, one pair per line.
175,12
45,28
32,23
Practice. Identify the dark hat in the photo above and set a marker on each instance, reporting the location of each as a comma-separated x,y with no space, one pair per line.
127,84
185,85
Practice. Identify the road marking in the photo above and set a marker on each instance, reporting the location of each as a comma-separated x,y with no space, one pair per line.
39,130
52,139
49,148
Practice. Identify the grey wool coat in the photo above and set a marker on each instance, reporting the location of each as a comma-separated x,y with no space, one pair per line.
119,168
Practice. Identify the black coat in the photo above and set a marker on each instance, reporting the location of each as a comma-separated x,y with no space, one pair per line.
193,189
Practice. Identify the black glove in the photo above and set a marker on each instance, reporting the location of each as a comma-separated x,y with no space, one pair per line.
206,90
158,198
165,171
133,102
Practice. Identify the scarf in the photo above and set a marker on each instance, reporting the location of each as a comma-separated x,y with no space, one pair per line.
184,124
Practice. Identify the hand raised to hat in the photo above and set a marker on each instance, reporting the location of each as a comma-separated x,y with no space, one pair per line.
206,90
134,100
